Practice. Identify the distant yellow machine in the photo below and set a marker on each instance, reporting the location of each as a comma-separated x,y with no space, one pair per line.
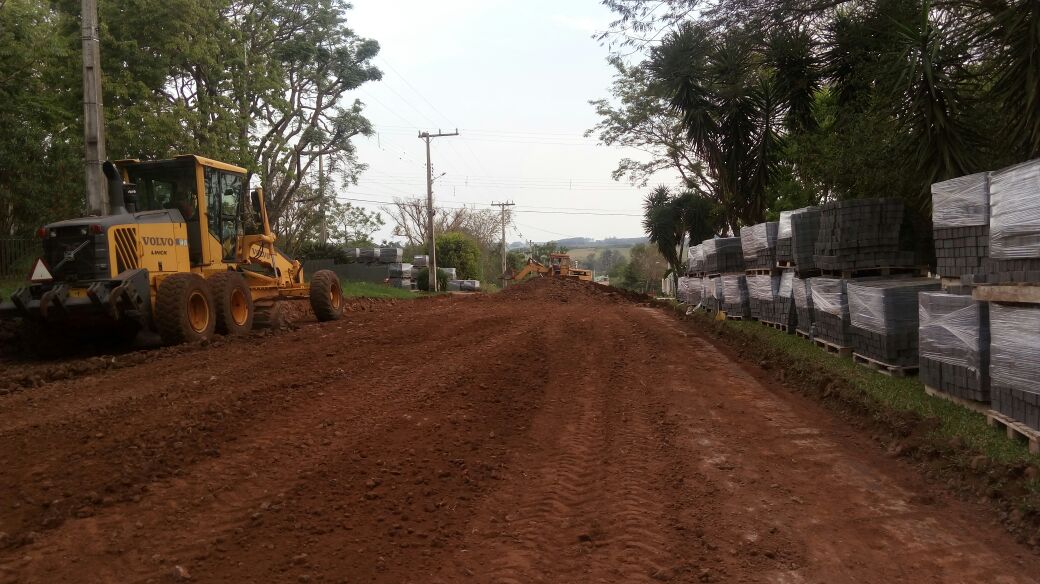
559,267
188,251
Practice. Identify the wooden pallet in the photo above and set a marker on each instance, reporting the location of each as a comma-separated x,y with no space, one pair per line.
948,283
734,317
1015,430
832,348
785,264
981,407
778,326
890,370
803,334
868,272
761,272
1017,293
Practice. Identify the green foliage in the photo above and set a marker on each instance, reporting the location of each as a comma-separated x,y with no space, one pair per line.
371,290
542,251
422,279
459,251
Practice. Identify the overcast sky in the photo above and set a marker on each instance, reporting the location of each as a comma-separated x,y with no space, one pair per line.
515,77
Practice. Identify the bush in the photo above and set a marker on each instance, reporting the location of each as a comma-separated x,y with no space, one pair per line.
457,250
422,280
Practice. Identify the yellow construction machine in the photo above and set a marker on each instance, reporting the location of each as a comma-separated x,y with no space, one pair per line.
187,252
559,267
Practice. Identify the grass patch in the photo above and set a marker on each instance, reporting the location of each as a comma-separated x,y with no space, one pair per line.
372,290
9,285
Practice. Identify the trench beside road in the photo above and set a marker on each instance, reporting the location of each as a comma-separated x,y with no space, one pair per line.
550,433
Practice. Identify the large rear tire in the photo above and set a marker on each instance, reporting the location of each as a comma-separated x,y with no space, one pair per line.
184,309
327,296
233,303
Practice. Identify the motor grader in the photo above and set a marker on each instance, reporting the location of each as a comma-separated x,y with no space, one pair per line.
559,267
187,252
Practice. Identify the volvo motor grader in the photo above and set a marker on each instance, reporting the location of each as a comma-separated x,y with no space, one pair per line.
187,252
559,267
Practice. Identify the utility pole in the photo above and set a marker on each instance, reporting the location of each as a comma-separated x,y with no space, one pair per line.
323,236
502,208
432,243
93,115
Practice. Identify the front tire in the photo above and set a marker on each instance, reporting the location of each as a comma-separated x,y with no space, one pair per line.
233,302
184,309
326,296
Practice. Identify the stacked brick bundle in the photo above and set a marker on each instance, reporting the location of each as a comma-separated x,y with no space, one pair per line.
695,260
735,295
401,276
783,309
1014,243
723,255
861,234
805,231
689,290
884,317
1015,361
762,295
784,236
758,244
954,345
960,221
713,293
830,311
803,306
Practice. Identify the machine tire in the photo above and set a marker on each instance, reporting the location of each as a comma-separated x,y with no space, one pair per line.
274,317
327,300
233,303
184,309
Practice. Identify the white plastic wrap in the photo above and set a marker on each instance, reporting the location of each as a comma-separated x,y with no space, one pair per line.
1015,347
961,202
760,287
886,306
716,289
734,288
399,270
949,330
421,261
829,296
1015,212
695,260
786,287
756,239
783,230
802,293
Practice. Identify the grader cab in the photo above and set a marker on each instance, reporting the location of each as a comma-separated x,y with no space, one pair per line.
188,251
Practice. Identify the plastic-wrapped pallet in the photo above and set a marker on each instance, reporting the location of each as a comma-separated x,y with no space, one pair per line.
803,305
682,291
761,295
399,270
469,285
861,234
454,285
830,306
758,245
695,260
352,253
421,261
368,255
805,231
391,255
783,235
960,221
885,321
451,272
723,254
783,307
694,293
735,295
713,293
1015,361
1014,242
402,283
954,345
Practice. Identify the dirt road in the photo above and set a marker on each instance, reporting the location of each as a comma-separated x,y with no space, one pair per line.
550,434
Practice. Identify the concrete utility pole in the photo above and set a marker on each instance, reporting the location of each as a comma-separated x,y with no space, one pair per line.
502,207
432,243
93,114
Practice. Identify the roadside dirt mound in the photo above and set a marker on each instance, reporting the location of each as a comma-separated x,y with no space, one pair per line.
569,290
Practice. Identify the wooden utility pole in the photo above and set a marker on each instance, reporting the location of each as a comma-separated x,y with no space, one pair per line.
432,243
93,114
502,208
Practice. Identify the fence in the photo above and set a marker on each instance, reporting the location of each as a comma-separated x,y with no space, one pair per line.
16,255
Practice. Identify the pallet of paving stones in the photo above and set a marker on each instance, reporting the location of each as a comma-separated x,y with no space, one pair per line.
830,316
954,341
802,295
978,406
723,255
861,234
885,317
805,232
1015,361
758,245
960,220
785,237
1014,222
695,260
1016,430
876,272
828,346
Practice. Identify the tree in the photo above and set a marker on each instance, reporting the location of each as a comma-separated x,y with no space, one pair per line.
644,270
541,251
459,251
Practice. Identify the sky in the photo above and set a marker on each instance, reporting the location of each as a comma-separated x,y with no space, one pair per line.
515,77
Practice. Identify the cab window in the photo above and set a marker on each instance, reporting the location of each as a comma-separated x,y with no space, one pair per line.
224,192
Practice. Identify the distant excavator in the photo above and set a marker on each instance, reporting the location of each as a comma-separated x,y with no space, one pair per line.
559,267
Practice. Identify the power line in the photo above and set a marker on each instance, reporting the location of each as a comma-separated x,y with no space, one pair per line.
518,210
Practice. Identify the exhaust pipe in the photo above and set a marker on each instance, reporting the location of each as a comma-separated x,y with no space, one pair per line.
115,189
